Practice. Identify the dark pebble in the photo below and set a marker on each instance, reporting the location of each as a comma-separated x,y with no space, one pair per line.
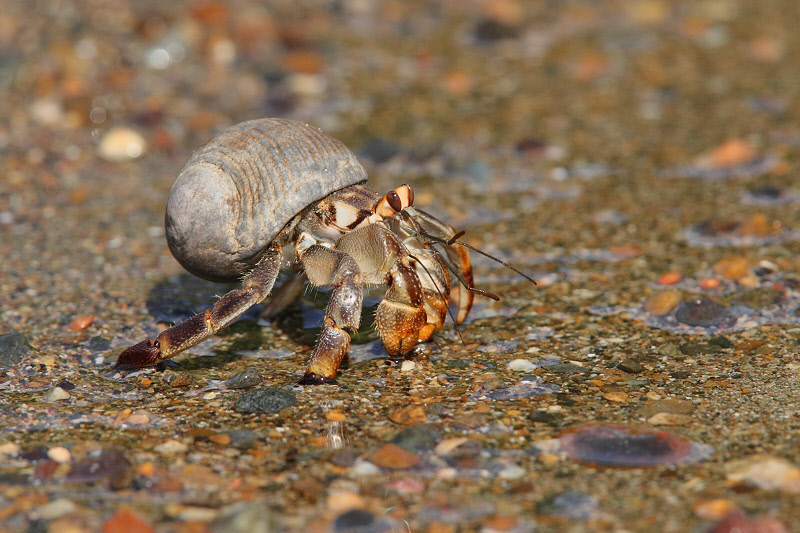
624,446
98,344
417,438
360,521
344,458
66,385
722,342
457,363
242,439
265,400
111,464
13,347
552,419
571,504
244,379
700,312
566,368
699,348
631,366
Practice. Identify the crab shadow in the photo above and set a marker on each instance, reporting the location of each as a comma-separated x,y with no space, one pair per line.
180,297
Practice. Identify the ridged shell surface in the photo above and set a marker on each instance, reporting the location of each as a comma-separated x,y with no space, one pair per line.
238,191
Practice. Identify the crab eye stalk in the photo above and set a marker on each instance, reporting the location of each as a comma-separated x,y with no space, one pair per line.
395,201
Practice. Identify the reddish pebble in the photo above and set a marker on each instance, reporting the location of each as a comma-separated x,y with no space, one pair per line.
413,414
670,278
125,520
708,283
393,456
80,323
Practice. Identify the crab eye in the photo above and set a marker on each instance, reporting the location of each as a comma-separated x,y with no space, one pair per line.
394,201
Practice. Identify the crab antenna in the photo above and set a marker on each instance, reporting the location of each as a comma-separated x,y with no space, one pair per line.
453,240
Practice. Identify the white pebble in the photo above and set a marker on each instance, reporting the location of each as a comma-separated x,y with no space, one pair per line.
521,365
364,468
55,509
55,395
9,449
59,454
408,366
171,446
121,144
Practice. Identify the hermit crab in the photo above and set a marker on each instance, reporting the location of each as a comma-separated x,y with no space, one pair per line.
271,192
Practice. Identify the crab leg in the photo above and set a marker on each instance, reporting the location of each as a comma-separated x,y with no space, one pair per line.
326,266
435,282
256,286
458,255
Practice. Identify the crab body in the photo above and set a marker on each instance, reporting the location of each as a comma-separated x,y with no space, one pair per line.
268,189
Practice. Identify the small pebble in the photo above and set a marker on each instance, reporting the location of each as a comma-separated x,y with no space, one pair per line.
412,414
732,268
243,439
393,456
9,449
714,509
700,312
764,472
171,446
126,520
54,509
120,144
364,468
341,501
13,347
80,323
59,454
521,365
631,366
571,504
55,395
662,302
616,396
360,521
671,278
447,446
708,284
265,400
668,419
244,379
417,438
408,366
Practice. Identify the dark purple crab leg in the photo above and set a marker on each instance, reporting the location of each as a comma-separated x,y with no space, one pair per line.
256,286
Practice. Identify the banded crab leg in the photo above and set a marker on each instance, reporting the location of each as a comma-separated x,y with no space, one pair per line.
256,286
370,254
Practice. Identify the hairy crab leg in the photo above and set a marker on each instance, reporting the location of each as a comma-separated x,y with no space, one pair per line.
435,282
401,314
326,266
256,286
457,255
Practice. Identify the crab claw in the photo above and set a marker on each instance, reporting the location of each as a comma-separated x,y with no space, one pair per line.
145,353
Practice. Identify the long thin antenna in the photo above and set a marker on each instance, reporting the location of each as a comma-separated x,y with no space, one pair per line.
454,240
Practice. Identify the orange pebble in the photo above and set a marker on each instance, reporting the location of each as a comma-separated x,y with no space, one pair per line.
709,283
670,278
80,323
